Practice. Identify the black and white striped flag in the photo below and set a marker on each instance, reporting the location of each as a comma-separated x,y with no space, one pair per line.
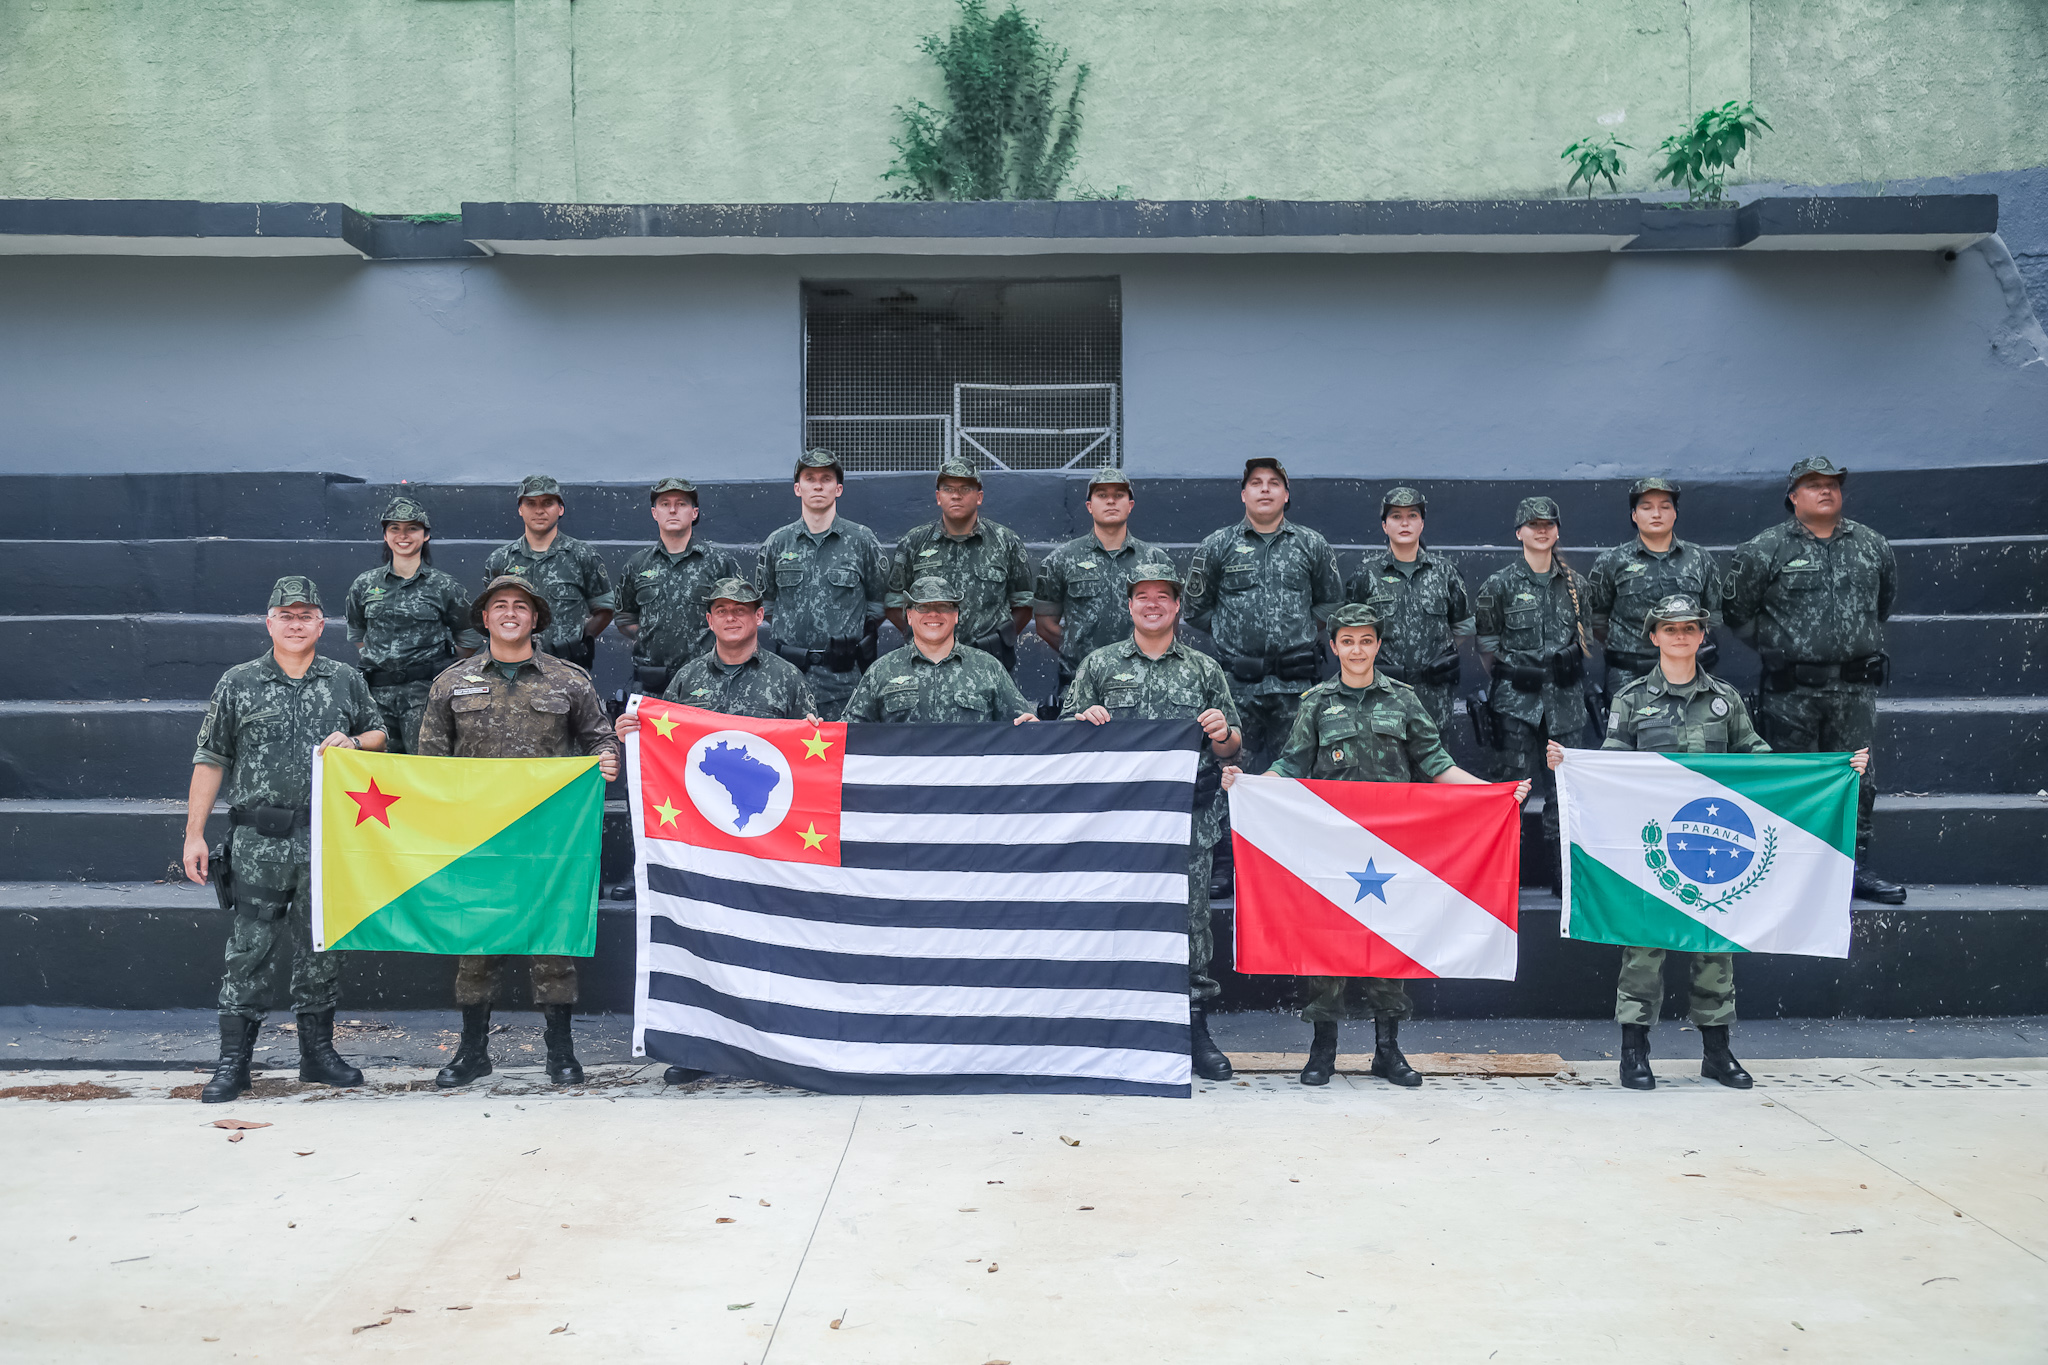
900,909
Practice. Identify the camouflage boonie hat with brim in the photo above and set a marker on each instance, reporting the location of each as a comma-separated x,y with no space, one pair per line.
541,615
1653,484
1109,476
539,486
672,485
733,590
1154,571
1356,614
959,469
402,508
930,589
1257,462
1535,509
1677,607
820,458
294,590
1403,496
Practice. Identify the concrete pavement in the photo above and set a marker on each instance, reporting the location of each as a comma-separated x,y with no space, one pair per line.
1845,1209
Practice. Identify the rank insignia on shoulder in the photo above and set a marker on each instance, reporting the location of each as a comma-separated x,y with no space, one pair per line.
1719,706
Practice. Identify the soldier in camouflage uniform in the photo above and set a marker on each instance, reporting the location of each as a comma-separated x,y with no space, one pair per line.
1421,596
561,568
664,590
1627,580
408,621
1149,675
258,737
935,680
1363,726
824,581
514,701
984,561
1812,594
1532,630
1080,599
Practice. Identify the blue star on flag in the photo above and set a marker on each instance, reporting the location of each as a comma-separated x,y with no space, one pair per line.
1372,882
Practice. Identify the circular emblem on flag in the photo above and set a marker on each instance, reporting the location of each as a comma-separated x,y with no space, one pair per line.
1708,853
1719,706
739,782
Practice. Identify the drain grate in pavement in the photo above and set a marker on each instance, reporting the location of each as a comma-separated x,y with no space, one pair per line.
1957,1080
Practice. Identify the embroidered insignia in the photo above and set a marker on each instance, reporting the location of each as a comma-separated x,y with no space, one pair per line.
701,692
1525,597
1246,550
1797,564
1337,754
1719,706
377,592
515,568
468,691
1123,677
932,551
904,679
1634,568
789,554
650,573
471,677
1391,578
1084,563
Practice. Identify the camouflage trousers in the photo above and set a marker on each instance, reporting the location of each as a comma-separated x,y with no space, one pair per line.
1201,938
403,706
1267,718
476,979
255,946
1639,994
1388,996
831,690
1521,755
1838,718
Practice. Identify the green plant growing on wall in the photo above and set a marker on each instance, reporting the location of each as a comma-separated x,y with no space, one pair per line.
1698,160
1007,134
1595,159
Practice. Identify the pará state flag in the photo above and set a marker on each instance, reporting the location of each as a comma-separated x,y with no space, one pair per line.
1403,879
1716,853
455,855
914,909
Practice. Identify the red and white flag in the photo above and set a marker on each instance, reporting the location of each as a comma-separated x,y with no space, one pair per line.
1401,879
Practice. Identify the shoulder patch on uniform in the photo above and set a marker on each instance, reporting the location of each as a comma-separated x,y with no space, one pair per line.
1719,706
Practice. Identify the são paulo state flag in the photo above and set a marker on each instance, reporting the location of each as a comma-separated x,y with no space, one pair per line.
1403,879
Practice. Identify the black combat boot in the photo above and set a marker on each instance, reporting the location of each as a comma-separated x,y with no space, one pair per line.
473,1056
1717,1062
1322,1055
1635,1057
1210,1063
563,1068
1868,886
231,1072
1387,1062
318,1061
682,1075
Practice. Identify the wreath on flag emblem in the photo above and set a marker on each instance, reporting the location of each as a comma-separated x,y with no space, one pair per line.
1690,893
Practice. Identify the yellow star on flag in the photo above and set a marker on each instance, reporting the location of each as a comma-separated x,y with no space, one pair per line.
667,812
816,745
811,837
665,724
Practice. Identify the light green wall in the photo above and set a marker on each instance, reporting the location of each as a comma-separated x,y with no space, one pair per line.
416,105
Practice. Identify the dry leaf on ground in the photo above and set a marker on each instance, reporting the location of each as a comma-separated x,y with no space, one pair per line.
302,1154
513,1276
82,1090
763,1203
993,1267
834,1324
457,1308
725,1220
1071,1142
381,1322
237,1123
559,1330
234,1137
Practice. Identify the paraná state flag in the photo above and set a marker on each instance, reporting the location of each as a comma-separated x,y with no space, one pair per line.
1713,853
914,909
455,855
1403,879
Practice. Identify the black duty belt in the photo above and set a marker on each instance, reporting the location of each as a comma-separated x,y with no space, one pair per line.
1299,664
1871,669
838,656
398,677
1633,664
272,822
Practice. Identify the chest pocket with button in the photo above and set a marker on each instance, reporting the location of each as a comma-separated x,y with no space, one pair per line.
1339,736
1714,737
789,573
1120,700
899,699
551,703
1388,732
1522,626
474,701
1086,587
845,576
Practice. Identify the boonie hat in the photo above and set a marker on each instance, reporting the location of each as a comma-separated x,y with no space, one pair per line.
293,590
539,486
1357,614
960,469
1677,607
542,616
932,588
1653,484
1535,509
402,508
733,590
672,485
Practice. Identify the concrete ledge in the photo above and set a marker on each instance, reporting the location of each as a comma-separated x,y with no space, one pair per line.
176,227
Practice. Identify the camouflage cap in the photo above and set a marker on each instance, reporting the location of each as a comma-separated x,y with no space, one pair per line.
817,457
733,590
402,508
1403,496
1534,509
541,615
1154,571
1814,464
1679,606
960,469
1263,462
539,486
294,590
1653,484
672,485
1112,477
1357,614
931,588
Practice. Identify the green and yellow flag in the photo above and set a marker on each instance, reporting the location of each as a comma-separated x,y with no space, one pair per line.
455,855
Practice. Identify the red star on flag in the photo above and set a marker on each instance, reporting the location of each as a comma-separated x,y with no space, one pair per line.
373,805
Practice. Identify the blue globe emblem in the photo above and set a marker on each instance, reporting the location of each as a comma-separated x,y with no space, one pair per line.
1711,841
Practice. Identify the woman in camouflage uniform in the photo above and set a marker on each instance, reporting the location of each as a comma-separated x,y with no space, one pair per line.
408,621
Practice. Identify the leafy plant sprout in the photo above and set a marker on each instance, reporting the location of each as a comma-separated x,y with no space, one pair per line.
1698,159
1595,158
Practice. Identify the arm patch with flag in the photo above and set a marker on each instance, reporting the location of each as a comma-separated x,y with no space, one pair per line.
906,909
1708,853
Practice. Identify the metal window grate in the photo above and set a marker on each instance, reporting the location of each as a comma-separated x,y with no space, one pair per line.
1008,374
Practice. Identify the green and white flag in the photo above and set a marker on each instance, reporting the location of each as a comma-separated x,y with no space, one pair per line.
1713,853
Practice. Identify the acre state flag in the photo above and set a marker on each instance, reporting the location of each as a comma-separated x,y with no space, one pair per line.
1401,879
455,855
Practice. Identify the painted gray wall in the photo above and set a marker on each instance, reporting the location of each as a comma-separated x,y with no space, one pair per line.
596,369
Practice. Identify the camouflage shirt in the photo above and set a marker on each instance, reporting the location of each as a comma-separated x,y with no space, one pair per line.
1178,685
568,573
765,686
261,727
966,686
824,586
987,566
1258,595
1424,604
1377,733
1087,589
1630,578
1524,620
1809,600
547,709
1704,716
399,622
664,595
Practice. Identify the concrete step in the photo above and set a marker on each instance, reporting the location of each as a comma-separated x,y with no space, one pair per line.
1951,950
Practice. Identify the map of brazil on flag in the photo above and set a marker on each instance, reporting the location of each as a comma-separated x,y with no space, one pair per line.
1401,879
